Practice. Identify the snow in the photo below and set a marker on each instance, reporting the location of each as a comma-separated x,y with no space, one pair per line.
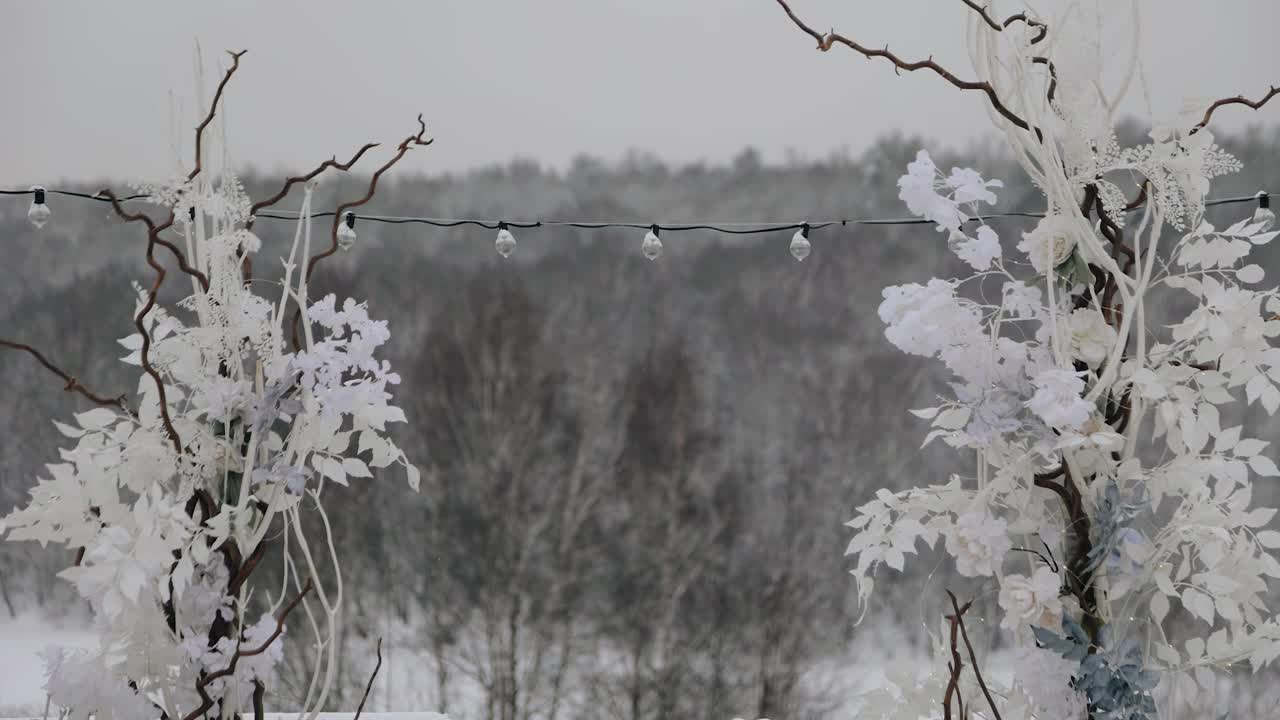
21,670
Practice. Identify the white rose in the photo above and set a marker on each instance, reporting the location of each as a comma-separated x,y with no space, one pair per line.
978,543
1050,243
1091,337
1031,600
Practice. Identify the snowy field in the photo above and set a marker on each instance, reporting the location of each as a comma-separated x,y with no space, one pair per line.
21,670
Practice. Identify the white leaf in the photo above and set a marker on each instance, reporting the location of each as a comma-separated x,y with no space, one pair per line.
1159,607
69,431
952,418
414,476
1250,274
893,558
95,419
1198,604
925,413
1264,466
1168,654
1249,447
1269,539
355,467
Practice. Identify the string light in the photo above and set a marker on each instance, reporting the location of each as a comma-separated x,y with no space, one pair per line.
505,243
347,231
39,213
652,245
800,242
800,245
1263,215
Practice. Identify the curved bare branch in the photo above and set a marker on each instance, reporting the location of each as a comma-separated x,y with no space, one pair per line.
151,226
416,140
1237,100
826,41
290,182
73,385
213,109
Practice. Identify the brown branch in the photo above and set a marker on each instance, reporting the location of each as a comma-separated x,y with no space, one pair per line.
213,109
153,239
1237,100
152,229
73,385
1053,74
1141,199
369,686
973,657
207,702
290,182
415,140
1045,480
1000,27
956,665
246,569
1022,17
826,41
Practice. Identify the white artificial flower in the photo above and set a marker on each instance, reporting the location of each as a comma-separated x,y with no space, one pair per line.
981,251
925,320
1031,600
918,189
971,188
1091,337
1093,444
1057,400
979,543
1050,243
1023,301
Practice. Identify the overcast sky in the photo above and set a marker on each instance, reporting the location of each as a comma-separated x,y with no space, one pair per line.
87,85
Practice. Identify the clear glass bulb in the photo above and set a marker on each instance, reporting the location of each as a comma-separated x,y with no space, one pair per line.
800,246
505,244
38,213
346,237
652,246
1265,217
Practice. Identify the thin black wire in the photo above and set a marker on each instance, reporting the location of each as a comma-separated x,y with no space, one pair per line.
73,193
740,228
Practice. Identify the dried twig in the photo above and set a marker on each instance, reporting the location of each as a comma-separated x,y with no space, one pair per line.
415,140
290,182
973,657
826,41
153,239
207,702
1020,17
73,385
213,109
146,219
1237,100
955,666
369,686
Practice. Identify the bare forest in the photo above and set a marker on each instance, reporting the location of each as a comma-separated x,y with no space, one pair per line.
635,474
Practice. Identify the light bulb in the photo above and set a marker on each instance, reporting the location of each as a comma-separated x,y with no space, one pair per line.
800,246
505,244
39,213
347,231
652,245
1263,215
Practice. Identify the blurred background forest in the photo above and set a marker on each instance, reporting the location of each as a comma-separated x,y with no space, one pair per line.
636,473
